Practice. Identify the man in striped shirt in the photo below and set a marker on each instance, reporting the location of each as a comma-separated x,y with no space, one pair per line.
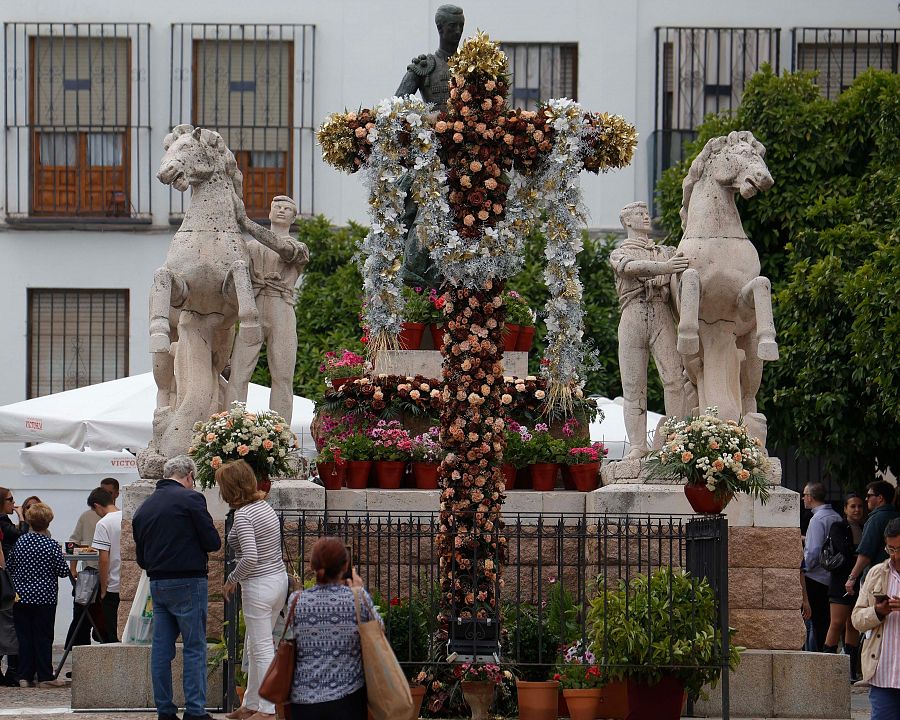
877,611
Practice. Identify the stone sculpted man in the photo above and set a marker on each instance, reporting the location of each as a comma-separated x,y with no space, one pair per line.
429,75
647,326
274,275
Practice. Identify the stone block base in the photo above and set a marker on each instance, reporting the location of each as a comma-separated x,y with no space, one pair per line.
118,676
784,684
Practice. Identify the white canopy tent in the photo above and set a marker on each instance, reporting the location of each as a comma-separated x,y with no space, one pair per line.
114,415
611,430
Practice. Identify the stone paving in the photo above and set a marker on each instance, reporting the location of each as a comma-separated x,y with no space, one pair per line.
37,704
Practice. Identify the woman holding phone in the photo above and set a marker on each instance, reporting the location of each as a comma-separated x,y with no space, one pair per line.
256,537
329,683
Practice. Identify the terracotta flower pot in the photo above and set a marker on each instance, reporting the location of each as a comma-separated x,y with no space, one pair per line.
389,473
437,335
332,474
358,474
526,338
509,475
585,476
411,335
426,475
418,695
614,700
705,501
661,701
337,383
583,704
537,700
478,694
510,336
543,476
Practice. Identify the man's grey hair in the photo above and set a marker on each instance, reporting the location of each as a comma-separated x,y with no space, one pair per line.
179,467
816,490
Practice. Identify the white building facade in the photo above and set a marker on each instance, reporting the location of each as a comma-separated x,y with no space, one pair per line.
90,93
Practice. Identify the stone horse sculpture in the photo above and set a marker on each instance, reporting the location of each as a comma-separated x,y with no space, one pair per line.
725,330
204,283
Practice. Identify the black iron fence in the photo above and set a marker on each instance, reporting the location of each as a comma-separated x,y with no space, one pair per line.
564,580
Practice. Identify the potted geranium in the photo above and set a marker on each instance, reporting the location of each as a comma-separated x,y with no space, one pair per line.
357,449
660,633
716,458
264,440
332,468
417,313
581,679
519,323
514,456
479,683
339,369
582,464
426,458
436,326
391,450
544,454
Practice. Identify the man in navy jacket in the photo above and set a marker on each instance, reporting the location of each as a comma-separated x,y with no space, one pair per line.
173,534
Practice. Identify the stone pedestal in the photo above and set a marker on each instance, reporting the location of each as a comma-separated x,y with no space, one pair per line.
764,550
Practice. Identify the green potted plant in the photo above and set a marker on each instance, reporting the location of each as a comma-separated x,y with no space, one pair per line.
581,464
581,679
339,369
417,313
357,449
544,455
436,324
427,454
391,449
519,322
332,467
659,632
716,458
514,456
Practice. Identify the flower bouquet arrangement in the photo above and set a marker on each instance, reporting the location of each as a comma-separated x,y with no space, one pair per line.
718,455
487,672
340,367
578,668
264,440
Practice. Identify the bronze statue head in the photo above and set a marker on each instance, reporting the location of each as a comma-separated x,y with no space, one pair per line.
450,21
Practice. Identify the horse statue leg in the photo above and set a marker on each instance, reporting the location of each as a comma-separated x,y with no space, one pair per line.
689,311
168,291
757,294
751,379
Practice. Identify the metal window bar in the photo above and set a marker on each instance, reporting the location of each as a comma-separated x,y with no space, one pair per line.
541,71
556,566
77,95
839,55
701,70
75,338
255,85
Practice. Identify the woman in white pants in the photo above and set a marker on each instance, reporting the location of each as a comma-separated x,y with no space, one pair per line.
256,537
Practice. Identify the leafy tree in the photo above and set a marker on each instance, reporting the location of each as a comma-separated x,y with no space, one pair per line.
827,234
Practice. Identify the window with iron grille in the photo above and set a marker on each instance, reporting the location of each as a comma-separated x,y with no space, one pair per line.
77,120
76,338
541,71
254,85
839,55
701,71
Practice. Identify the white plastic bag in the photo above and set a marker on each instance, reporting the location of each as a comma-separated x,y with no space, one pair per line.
139,627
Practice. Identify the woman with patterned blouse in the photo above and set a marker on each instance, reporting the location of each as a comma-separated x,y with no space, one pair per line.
35,565
329,683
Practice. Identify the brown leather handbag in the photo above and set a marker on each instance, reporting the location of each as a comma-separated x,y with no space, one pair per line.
276,683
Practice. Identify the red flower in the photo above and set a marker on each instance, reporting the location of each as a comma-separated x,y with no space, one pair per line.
395,602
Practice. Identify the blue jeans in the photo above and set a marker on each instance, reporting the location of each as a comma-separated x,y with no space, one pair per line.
885,703
179,606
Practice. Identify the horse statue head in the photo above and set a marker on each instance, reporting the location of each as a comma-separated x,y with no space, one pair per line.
193,156
734,161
